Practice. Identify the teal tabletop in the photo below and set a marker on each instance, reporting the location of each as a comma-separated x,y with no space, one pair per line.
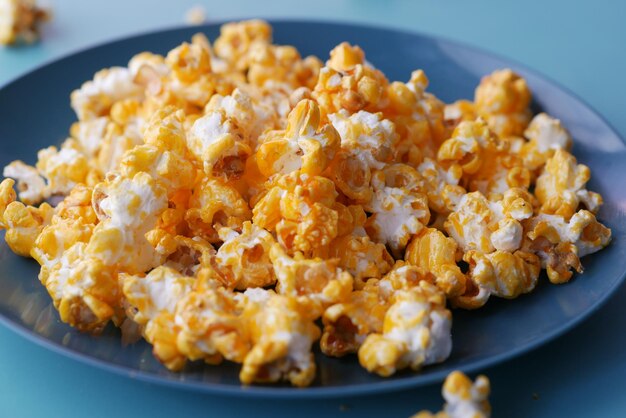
578,44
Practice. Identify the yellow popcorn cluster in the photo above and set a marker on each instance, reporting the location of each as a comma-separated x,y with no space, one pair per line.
237,201
464,398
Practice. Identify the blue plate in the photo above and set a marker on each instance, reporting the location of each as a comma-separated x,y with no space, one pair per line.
35,112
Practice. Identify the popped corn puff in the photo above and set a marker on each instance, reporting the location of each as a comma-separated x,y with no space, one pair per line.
282,333
502,99
220,199
464,398
561,187
20,21
416,332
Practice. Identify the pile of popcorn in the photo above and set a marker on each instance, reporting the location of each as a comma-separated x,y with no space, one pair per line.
237,201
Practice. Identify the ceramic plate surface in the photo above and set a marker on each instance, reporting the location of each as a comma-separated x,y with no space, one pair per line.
35,112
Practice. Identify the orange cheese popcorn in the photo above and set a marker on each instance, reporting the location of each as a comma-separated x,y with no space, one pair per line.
360,256
348,82
501,273
318,281
299,208
416,332
23,225
419,119
215,204
216,140
502,99
347,324
95,97
7,196
281,64
561,187
399,207
464,398
466,146
237,39
62,168
560,243
31,186
435,253
305,145
21,21
244,258
220,199
211,327
368,136
83,288
459,111
545,136
127,209
282,333
154,299
483,225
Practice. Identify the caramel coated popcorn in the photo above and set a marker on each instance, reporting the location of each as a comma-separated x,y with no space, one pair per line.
227,200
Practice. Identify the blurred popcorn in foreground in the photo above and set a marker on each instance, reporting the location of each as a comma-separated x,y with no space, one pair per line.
224,199
464,398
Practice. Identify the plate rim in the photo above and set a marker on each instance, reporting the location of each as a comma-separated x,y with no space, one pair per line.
278,392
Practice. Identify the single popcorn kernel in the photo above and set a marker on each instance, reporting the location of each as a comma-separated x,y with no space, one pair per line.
20,21
464,398
416,332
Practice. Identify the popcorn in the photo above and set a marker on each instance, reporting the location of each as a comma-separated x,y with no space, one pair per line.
23,225
416,332
299,208
281,64
305,145
464,398
502,99
237,39
435,253
95,97
20,21
348,82
501,273
244,258
7,196
215,204
545,136
441,185
419,119
211,327
154,299
64,168
83,289
127,210
31,186
361,257
367,135
347,324
561,187
560,243
320,282
221,199
282,333
399,208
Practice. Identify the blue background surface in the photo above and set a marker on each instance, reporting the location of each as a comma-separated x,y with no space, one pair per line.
581,374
